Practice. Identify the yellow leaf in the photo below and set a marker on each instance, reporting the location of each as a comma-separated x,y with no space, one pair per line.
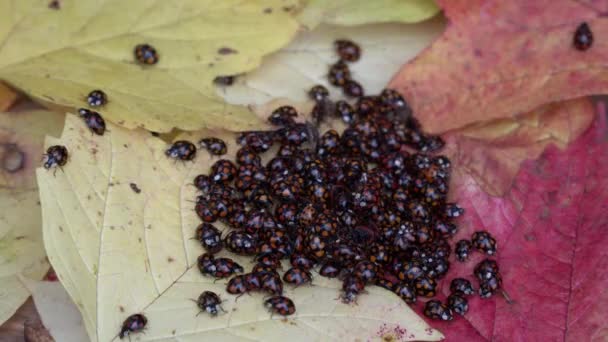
385,48
59,55
358,12
118,251
21,249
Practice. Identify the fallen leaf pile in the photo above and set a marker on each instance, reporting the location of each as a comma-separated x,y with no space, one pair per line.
503,84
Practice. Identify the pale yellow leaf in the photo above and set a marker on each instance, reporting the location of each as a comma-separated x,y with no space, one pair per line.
21,249
290,72
118,252
358,12
59,55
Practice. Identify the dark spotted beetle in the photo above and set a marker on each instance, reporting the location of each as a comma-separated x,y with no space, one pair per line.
209,302
133,324
146,54
280,305
182,150
209,237
297,276
214,145
55,156
97,98
239,242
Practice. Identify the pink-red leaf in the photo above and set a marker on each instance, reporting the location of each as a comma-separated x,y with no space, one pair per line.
552,233
498,59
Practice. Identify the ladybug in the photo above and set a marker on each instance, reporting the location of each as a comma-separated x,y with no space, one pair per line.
458,303
462,250
297,276
182,150
237,285
269,260
318,93
225,267
345,111
461,285
409,270
239,242
97,98
297,134
484,242
253,282
425,286
246,156
347,50
286,214
214,145
301,261
486,269
209,237
237,217
434,309
353,88
366,271
258,141
146,54
347,255
583,37
379,254
280,305
330,269
405,292
203,183
223,171
315,246
133,324
209,302
271,283
489,286
452,210
329,143
283,116
339,73
392,98
55,156
210,210
351,287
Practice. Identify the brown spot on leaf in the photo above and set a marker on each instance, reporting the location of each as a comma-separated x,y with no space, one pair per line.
170,259
135,188
268,10
226,51
121,308
20,237
60,228
55,5
126,145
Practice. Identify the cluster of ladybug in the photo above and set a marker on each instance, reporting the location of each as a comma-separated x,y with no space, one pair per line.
369,206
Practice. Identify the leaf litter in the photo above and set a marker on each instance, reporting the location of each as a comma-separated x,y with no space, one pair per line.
22,253
119,252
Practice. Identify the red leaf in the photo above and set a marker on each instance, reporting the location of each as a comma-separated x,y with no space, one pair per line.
552,233
498,58
492,153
